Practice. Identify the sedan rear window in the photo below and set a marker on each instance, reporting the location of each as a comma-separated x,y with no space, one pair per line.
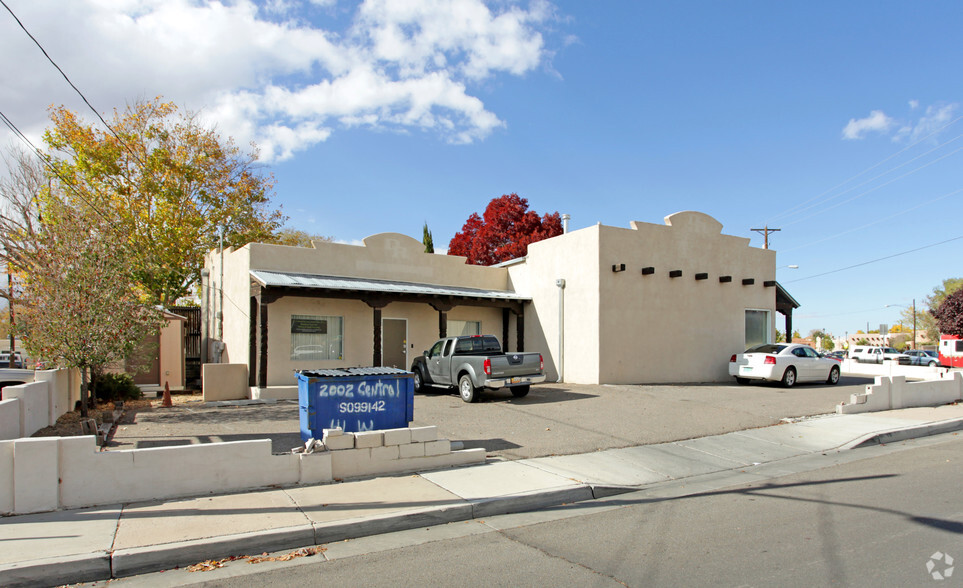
766,348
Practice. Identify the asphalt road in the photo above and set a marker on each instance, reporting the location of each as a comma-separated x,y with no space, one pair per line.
879,516
554,419
562,419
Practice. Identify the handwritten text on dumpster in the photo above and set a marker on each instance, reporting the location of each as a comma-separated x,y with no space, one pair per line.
379,389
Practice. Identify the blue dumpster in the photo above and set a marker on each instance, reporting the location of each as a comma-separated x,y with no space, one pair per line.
355,399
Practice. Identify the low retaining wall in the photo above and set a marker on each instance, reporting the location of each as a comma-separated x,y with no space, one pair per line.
27,408
49,473
891,368
895,392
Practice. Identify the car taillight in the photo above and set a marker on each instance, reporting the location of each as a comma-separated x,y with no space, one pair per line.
733,358
488,367
541,362
770,360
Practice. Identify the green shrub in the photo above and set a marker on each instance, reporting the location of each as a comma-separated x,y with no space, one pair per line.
112,387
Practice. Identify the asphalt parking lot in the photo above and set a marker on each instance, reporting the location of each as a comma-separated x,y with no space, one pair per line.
554,419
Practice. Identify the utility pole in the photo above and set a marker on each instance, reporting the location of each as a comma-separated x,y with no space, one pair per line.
10,304
765,235
914,323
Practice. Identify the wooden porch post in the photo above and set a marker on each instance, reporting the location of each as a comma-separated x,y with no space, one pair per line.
252,342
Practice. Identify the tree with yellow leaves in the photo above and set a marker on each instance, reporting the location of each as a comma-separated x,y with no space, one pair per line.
168,183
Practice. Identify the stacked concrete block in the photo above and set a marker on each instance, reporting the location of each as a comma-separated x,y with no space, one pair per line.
391,451
336,440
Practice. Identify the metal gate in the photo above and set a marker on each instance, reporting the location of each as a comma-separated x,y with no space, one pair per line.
192,344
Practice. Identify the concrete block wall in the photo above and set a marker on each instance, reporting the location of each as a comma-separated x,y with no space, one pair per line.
224,381
392,451
27,408
50,473
889,393
10,419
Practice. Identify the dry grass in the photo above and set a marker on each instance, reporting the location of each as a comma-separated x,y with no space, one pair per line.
68,425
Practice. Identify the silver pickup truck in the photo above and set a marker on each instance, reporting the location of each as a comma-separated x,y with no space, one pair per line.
475,362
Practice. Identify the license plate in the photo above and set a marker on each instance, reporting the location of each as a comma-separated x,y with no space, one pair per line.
746,368
516,380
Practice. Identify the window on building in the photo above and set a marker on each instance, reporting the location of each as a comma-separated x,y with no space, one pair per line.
459,328
316,338
757,327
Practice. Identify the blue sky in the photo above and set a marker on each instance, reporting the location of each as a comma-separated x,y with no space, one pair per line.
836,122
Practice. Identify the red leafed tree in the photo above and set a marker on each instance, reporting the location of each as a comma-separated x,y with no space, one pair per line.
504,232
949,314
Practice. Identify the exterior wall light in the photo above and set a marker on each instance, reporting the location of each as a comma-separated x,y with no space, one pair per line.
702,276
648,271
618,267
675,274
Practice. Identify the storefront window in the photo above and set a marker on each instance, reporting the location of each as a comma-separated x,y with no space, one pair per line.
459,328
757,327
316,338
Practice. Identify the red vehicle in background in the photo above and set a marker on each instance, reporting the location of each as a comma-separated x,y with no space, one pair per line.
951,351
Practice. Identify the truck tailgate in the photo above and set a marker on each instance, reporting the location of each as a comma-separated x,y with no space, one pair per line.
515,364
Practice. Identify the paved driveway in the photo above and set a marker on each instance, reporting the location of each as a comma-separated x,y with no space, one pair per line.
554,419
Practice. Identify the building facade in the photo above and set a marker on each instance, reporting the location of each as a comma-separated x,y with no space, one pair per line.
647,304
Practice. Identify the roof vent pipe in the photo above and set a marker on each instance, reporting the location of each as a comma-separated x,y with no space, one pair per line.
565,218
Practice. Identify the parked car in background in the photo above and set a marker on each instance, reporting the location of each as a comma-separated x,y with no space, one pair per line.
834,356
18,361
869,354
837,355
782,362
920,357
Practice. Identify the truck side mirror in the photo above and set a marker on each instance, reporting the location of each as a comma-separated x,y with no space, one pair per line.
425,353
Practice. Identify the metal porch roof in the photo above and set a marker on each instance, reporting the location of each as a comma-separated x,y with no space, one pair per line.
311,281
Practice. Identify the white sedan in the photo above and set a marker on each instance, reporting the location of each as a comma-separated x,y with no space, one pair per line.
783,362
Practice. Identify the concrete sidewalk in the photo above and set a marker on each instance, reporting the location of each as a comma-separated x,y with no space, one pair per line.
121,540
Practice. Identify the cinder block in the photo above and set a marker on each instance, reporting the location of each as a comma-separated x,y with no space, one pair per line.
397,436
337,432
369,439
6,477
351,463
387,453
36,475
315,468
339,442
438,447
411,450
423,434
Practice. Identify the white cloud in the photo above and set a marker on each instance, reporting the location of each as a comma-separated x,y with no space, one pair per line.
877,122
279,74
933,119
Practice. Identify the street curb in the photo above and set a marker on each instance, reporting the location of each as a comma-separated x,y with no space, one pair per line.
904,433
139,560
86,567
390,522
487,507
152,558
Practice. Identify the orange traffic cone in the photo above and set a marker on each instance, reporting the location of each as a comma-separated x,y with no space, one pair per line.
166,403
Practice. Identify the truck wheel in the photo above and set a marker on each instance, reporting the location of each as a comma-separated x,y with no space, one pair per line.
418,381
520,391
466,389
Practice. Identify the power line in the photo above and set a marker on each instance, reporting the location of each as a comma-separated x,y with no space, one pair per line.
877,259
46,162
52,62
802,206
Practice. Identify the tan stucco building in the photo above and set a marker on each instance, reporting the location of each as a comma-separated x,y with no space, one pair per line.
646,304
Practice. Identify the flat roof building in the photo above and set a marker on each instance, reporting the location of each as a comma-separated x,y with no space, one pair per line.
647,304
